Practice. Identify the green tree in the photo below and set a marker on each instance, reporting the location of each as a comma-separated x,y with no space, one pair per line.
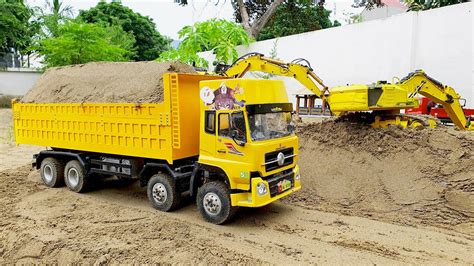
413,5
15,31
79,43
149,43
217,35
418,5
264,19
295,17
53,15
369,4
252,15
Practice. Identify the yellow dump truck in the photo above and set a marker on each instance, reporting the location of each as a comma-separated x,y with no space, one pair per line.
228,142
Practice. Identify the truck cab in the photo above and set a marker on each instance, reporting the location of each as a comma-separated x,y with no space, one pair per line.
247,144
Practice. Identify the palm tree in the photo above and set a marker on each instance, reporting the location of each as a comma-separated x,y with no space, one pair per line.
53,14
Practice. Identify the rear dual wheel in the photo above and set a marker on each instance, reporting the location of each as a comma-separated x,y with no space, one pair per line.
52,172
75,176
55,174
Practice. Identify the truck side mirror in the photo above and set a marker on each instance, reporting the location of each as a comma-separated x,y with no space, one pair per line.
291,128
235,136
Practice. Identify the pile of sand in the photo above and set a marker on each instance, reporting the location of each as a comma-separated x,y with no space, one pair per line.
112,82
398,175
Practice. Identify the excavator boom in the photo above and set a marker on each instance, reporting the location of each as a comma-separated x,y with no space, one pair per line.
419,82
301,72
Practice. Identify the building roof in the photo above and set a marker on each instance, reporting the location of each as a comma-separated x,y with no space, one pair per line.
393,3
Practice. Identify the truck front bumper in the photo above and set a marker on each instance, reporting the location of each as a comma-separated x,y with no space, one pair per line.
253,199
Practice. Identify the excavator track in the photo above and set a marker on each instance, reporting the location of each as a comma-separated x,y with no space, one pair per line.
425,120
405,121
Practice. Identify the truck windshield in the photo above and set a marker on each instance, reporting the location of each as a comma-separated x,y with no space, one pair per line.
267,126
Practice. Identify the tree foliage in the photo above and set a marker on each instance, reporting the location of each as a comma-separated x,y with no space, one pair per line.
264,19
418,5
149,43
369,4
15,30
216,35
295,17
252,23
79,43
53,15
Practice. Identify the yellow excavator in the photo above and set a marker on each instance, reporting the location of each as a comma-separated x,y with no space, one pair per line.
385,100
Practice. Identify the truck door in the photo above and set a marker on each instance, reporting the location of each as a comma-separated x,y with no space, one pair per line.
231,137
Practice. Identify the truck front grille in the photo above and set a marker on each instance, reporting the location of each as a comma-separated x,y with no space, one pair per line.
271,162
275,181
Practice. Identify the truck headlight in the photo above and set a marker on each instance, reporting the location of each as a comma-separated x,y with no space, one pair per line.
261,189
297,173
297,176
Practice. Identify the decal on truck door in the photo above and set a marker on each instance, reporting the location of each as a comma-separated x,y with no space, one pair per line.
222,98
232,149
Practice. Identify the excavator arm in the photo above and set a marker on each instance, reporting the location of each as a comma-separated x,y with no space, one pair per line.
419,82
301,72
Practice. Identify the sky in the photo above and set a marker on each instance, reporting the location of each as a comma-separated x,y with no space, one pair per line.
170,17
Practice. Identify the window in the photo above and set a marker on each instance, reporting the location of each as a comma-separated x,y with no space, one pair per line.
232,126
210,122
267,126
224,125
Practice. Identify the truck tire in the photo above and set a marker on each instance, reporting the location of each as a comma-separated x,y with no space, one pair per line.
52,172
162,192
213,201
75,176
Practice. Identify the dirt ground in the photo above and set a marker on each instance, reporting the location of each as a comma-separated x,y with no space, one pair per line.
349,222
412,177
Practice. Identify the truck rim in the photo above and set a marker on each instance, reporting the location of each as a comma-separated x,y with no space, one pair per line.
212,203
48,173
159,193
73,177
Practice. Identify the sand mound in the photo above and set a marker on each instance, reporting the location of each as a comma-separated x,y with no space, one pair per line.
406,176
113,82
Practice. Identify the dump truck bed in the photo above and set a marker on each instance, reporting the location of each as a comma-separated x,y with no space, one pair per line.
166,131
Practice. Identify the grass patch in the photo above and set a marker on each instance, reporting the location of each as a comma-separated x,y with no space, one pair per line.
9,136
6,100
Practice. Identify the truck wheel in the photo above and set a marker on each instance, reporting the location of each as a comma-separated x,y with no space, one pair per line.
162,192
52,172
75,177
213,201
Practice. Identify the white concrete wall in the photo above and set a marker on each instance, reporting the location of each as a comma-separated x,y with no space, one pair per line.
438,41
381,12
443,47
16,82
